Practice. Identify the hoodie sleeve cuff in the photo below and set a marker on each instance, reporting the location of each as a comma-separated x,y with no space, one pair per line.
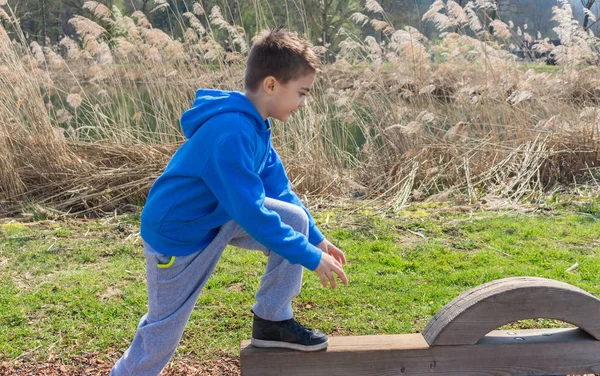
313,259
314,235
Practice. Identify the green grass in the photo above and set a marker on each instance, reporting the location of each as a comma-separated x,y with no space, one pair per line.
74,287
541,67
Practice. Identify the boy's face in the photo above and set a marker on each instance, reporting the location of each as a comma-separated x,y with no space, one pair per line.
289,97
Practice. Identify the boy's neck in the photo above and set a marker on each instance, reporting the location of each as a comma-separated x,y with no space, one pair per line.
258,102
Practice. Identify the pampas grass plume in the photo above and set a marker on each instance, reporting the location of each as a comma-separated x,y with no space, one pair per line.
74,100
373,6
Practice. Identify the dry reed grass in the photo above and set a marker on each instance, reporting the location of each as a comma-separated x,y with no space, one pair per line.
90,123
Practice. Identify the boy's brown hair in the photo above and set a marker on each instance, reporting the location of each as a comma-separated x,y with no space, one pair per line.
282,54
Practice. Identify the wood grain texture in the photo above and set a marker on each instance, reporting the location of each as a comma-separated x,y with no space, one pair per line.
525,352
473,314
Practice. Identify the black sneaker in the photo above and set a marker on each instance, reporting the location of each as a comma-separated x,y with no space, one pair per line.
287,334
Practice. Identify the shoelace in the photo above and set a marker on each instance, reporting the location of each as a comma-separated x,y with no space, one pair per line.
296,326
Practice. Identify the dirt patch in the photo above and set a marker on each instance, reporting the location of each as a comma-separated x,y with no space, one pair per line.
91,365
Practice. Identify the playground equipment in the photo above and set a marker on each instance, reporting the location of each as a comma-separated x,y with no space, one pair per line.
461,339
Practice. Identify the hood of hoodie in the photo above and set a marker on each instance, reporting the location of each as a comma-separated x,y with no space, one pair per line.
209,103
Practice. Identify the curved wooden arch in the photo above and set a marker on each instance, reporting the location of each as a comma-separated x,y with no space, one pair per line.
473,314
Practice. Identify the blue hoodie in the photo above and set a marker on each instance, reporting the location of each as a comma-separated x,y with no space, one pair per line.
224,171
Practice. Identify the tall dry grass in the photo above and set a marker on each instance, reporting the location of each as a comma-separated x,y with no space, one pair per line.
90,123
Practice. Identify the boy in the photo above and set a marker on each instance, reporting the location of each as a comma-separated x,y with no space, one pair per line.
226,185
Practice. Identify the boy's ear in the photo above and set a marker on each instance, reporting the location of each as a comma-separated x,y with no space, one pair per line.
269,84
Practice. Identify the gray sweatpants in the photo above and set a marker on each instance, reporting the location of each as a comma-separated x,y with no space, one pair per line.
173,290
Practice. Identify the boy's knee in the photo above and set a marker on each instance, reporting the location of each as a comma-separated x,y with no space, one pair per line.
297,218
290,214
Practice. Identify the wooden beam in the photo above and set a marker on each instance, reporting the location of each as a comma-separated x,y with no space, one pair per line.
530,352
460,339
473,314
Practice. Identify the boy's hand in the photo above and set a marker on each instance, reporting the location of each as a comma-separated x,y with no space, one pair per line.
331,249
331,262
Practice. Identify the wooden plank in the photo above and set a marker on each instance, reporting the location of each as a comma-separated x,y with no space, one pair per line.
473,314
540,352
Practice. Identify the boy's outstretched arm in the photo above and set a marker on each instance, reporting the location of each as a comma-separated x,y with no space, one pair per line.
277,185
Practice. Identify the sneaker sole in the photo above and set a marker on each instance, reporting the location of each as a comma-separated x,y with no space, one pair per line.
287,345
